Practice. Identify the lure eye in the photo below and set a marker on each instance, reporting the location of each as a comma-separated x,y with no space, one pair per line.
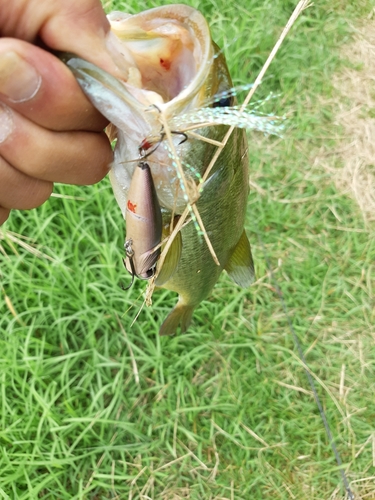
150,273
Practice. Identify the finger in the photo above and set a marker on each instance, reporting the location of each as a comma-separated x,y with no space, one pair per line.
40,87
4,214
69,157
78,26
20,191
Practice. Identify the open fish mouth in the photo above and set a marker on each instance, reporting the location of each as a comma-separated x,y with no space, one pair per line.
164,51
165,55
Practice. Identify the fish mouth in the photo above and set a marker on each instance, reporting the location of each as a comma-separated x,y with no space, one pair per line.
168,61
166,54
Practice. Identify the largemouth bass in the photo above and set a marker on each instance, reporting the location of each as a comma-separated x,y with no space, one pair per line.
174,72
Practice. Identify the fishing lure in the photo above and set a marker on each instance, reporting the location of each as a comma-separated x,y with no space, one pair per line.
143,224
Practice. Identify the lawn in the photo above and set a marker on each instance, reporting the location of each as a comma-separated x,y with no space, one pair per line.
94,404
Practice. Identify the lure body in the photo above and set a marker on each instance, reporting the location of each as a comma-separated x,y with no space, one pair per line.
173,67
143,224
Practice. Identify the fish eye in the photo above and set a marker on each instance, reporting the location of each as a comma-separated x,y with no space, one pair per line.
224,102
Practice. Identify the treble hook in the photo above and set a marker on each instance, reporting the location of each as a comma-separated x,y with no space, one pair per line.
129,253
132,274
143,147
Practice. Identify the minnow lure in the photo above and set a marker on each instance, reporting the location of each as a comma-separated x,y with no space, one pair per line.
143,224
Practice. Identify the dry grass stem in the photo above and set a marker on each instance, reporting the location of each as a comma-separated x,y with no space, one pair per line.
131,353
293,387
200,137
11,237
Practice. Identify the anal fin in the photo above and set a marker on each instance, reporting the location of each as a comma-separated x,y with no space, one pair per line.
240,266
180,315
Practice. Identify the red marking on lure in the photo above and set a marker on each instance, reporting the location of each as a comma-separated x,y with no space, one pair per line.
165,64
132,206
145,145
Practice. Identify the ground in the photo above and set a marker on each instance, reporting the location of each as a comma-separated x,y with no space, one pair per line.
355,114
93,406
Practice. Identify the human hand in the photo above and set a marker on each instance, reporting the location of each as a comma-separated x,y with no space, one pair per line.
49,131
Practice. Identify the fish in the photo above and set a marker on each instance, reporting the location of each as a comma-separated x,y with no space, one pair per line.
172,110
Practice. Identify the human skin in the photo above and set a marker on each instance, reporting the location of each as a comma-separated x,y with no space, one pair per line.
49,131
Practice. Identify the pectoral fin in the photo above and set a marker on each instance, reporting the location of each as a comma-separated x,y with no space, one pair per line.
171,261
240,266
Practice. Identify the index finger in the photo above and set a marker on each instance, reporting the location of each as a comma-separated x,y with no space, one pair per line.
40,87
77,26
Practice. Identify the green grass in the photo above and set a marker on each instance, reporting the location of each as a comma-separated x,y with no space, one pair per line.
92,407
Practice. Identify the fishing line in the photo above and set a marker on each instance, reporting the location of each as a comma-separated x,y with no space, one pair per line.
308,374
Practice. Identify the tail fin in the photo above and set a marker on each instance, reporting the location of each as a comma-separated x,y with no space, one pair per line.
180,315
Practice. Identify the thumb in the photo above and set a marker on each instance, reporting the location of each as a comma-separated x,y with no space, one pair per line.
80,27
77,26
